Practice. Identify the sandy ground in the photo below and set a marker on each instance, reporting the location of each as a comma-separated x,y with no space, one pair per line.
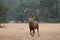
20,31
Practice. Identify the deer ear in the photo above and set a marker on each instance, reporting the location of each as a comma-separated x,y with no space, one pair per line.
33,17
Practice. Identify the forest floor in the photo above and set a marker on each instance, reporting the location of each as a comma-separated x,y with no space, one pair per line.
20,31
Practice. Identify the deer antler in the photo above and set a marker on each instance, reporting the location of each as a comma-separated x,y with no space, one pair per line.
26,12
37,12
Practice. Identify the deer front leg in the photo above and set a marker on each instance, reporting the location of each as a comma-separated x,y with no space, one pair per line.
38,31
34,31
31,33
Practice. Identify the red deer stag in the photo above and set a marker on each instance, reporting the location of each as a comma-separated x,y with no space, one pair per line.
32,24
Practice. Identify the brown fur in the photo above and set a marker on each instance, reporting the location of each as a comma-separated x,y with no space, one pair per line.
32,26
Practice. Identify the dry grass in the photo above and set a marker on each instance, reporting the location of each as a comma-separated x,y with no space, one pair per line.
20,31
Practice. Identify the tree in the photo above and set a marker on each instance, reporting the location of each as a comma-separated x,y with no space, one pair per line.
3,9
32,5
50,10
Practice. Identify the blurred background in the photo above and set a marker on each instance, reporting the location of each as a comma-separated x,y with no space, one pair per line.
12,10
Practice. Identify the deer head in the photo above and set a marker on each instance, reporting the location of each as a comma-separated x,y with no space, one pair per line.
31,18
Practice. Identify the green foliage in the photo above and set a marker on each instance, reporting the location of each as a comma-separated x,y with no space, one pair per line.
32,4
50,9
3,9
51,14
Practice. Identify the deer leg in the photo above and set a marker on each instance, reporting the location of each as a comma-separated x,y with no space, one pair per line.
38,31
30,31
34,31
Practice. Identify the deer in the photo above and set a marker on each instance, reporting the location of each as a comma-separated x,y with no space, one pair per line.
32,24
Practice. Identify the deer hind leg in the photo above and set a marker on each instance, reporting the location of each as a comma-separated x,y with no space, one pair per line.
38,31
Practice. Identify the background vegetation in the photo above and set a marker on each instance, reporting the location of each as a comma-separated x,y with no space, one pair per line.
12,10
